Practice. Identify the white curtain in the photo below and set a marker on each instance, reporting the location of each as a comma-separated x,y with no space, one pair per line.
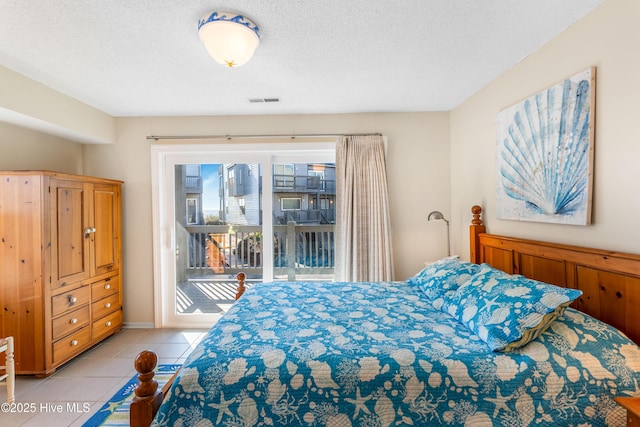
363,228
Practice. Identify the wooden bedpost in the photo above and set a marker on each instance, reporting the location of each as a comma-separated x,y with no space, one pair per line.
148,398
477,227
241,288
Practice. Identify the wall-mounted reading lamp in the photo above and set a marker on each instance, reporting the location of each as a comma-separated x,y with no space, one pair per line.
437,215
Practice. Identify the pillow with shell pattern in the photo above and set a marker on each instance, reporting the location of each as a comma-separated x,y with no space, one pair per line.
440,279
507,311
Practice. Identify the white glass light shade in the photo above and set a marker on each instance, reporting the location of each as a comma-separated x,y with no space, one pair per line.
229,38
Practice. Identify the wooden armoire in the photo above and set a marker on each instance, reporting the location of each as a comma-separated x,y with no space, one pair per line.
60,265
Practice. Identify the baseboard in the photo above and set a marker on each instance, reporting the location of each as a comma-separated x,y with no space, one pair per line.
139,325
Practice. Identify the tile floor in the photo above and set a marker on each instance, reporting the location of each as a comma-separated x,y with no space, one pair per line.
92,378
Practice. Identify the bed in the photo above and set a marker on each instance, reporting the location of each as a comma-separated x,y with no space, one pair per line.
484,342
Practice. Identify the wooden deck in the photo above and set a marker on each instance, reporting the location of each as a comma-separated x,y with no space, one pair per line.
205,296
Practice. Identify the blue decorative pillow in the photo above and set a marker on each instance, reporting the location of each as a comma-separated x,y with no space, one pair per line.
507,311
441,278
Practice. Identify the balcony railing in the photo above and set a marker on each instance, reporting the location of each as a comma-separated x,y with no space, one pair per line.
322,216
298,250
193,183
303,183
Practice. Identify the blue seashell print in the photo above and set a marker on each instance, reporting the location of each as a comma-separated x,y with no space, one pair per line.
544,155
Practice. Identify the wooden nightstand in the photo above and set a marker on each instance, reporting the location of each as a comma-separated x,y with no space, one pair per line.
632,405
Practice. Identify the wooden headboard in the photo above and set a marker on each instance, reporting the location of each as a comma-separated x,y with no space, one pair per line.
610,281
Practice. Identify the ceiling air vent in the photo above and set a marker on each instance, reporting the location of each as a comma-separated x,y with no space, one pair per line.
263,100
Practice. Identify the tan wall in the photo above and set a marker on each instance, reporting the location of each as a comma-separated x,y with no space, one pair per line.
608,38
418,168
21,148
31,104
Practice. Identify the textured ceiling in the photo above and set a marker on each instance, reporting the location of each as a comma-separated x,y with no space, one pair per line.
144,58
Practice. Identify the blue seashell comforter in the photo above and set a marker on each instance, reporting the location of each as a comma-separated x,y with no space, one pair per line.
379,354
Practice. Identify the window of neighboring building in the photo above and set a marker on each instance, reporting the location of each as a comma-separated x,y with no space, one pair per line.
315,179
231,179
235,174
291,203
192,211
192,170
325,203
283,175
241,204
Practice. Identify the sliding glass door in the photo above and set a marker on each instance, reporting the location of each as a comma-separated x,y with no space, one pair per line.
218,224
213,207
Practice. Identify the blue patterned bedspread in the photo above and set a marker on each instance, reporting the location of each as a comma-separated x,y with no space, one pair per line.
379,354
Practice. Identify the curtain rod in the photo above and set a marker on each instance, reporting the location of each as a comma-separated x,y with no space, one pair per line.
232,136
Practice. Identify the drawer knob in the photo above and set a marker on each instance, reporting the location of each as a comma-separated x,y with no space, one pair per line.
74,343
108,324
107,305
107,286
71,299
73,321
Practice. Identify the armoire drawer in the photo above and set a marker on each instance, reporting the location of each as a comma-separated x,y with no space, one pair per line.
70,345
105,305
70,300
105,287
107,325
69,322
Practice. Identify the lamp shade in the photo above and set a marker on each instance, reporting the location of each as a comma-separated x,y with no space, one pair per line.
230,38
436,215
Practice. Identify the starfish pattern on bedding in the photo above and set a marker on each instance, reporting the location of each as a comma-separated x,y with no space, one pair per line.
359,401
490,303
222,407
500,401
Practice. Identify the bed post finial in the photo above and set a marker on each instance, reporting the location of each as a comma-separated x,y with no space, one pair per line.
476,211
147,399
145,363
241,288
476,228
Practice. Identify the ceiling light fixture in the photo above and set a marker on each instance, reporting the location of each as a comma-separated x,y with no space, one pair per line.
230,38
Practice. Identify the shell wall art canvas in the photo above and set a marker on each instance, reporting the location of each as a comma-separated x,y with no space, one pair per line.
545,154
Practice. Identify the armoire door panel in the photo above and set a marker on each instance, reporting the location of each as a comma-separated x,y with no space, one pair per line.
70,240
105,229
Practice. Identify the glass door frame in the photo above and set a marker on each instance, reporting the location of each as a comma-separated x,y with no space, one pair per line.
164,157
